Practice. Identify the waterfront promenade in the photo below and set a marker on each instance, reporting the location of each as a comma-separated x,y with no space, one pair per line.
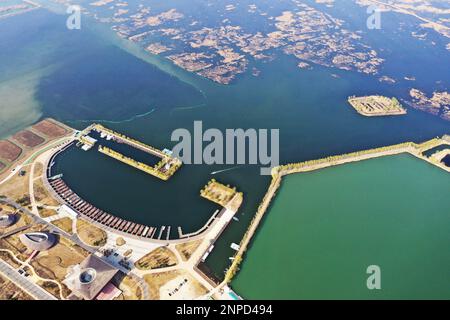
25,284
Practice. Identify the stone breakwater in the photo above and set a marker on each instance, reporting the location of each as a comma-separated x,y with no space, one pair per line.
311,165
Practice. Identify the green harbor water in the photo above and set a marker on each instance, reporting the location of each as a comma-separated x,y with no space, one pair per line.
326,227
91,75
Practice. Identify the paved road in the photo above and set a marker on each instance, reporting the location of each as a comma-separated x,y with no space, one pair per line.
17,168
7,234
74,238
22,282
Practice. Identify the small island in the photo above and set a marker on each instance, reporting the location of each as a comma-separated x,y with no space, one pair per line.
371,106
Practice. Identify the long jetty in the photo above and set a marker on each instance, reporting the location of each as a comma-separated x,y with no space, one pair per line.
279,172
84,208
130,141
163,170
131,162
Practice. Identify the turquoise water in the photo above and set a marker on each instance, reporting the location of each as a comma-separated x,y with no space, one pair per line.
76,75
326,227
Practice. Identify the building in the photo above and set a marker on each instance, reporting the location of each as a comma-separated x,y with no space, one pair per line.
88,278
88,142
6,219
39,241
64,209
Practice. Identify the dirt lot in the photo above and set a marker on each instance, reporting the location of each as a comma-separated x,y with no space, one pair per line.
14,244
159,258
156,280
9,291
130,288
49,128
9,151
176,284
16,188
42,196
187,249
54,263
28,138
90,234
45,212
38,169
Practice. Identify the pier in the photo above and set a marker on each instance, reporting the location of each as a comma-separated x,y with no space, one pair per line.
133,163
117,144
283,170
92,213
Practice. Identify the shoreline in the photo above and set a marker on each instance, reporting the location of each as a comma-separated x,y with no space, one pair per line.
311,165
220,220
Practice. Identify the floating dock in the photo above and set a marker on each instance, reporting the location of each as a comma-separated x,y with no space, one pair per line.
81,207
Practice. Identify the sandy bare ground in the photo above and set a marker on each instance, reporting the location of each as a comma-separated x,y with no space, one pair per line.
90,234
183,287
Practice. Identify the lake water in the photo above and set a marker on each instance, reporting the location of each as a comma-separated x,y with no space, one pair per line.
86,75
326,227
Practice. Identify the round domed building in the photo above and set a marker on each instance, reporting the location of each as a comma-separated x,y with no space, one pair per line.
39,241
6,219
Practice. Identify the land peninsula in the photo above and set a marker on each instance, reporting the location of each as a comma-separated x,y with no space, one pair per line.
141,262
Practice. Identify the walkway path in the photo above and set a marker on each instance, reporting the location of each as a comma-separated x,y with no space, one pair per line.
74,238
25,284
27,161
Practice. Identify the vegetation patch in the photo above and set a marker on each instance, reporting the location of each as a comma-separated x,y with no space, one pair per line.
16,188
156,280
42,195
186,249
90,234
120,241
218,193
38,169
64,224
54,263
131,290
376,106
45,212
